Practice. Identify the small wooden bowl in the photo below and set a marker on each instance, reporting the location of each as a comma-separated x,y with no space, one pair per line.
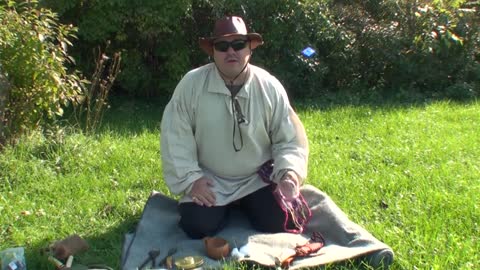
216,247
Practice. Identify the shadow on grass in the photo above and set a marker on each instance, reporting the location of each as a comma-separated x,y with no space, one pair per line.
104,249
125,116
129,116
386,101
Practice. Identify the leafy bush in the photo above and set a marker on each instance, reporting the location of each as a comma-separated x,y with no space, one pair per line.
149,34
436,53
362,46
33,59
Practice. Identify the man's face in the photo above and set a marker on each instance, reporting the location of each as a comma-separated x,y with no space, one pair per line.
230,60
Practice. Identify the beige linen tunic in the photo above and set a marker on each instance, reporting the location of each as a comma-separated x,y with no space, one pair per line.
197,129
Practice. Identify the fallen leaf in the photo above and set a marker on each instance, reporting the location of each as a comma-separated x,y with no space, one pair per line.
25,213
41,212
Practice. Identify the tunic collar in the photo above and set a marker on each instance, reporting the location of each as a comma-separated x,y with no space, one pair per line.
217,85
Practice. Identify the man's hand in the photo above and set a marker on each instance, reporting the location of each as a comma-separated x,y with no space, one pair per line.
289,186
201,193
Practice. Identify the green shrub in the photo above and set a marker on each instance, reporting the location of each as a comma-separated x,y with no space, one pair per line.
381,46
362,46
149,34
33,59
435,54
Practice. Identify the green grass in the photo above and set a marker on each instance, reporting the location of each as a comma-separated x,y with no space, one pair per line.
409,174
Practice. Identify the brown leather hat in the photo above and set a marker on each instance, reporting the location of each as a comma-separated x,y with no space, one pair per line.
229,26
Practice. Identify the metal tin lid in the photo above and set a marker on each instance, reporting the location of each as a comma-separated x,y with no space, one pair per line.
189,262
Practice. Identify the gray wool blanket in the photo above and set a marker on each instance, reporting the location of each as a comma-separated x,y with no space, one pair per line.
344,239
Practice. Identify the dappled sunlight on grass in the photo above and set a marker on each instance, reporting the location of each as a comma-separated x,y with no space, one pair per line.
408,174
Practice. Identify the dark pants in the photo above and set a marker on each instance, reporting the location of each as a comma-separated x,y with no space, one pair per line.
260,207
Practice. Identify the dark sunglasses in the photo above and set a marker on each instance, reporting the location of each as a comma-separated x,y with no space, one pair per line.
237,45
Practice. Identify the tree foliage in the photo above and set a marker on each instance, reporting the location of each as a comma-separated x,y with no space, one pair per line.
388,47
33,62
149,34
383,47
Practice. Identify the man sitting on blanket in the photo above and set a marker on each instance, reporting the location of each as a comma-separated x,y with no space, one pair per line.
224,121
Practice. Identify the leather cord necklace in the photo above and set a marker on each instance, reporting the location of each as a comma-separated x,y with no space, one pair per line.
238,117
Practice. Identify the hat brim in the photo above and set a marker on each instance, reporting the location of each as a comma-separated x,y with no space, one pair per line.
206,44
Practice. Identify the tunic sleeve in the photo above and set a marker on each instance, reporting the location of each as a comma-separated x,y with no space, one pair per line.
178,147
289,139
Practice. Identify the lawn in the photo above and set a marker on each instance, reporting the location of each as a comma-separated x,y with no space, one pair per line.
409,174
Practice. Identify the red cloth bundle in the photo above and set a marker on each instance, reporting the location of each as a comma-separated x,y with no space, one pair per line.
307,249
312,246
